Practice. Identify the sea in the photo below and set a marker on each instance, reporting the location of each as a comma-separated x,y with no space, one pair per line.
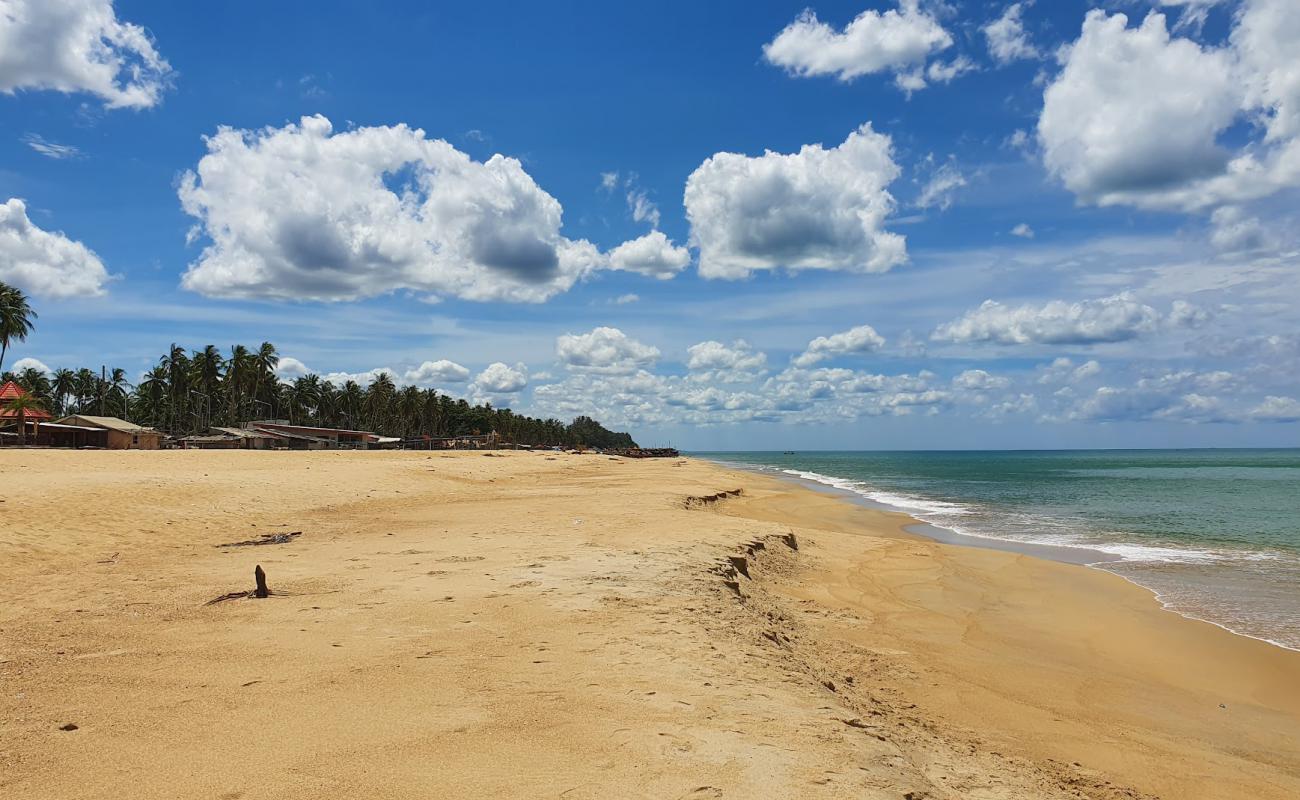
1214,534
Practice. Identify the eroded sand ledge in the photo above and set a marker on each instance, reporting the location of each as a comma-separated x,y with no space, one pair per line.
453,625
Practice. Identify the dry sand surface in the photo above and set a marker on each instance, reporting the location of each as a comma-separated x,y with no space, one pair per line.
544,625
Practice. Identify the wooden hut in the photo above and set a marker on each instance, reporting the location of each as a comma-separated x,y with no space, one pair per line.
121,435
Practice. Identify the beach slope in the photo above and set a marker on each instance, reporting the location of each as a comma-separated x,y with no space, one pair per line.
550,625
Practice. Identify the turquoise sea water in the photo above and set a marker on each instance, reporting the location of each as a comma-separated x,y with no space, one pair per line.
1214,533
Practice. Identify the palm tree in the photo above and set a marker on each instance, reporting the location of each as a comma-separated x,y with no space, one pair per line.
151,395
177,365
87,388
64,383
265,385
35,382
21,406
16,317
119,387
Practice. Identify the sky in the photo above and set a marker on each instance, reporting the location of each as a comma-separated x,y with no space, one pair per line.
748,225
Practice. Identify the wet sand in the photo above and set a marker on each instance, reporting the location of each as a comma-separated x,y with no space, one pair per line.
545,625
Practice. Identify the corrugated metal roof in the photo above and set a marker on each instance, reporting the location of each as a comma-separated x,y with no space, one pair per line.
112,424
245,433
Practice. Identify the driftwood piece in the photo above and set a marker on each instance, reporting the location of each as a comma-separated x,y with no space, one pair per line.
268,538
260,590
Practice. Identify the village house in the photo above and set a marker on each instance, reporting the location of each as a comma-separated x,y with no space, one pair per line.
118,434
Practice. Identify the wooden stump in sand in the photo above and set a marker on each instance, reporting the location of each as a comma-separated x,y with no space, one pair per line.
260,576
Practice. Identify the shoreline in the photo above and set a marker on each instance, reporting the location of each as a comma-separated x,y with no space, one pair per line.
539,624
1063,554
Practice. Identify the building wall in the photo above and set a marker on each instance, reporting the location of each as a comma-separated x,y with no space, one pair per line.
117,440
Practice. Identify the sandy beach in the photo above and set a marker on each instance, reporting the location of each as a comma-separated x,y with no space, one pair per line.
550,625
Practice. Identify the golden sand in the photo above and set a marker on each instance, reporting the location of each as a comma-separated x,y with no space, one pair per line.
545,625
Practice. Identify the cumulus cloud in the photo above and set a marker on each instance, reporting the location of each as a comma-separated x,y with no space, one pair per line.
302,212
896,41
79,46
1276,409
30,363
361,378
499,378
625,299
289,368
820,208
1023,231
978,380
43,262
432,373
1157,141
862,339
654,255
1064,370
1109,319
1233,231
1006,37
604,350
1112,138
732,363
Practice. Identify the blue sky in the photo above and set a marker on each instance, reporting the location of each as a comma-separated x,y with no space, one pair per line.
977,224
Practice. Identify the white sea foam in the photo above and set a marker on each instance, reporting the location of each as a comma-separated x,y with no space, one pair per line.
1032,529
941,513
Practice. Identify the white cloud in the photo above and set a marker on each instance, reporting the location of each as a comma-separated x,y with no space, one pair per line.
30,363
862,339
1232,231
732,363
1193,12
45,263
978,380
945,72
301,212
643,210
816,209
1276,409
431,373
499,378
604,350
1063,370
1183,314
79,46
654,255
1006,37
362,379
1023,231
938,191
1266,39
608,181
893,41
289,368
1109,319
625,299
1113,137
49,149
1156,142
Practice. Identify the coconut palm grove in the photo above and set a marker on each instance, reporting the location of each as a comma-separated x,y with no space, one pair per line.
190,391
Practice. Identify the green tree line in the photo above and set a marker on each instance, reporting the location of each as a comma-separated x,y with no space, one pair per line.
188,392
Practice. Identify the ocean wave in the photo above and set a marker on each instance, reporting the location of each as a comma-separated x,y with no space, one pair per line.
899,501
942,512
